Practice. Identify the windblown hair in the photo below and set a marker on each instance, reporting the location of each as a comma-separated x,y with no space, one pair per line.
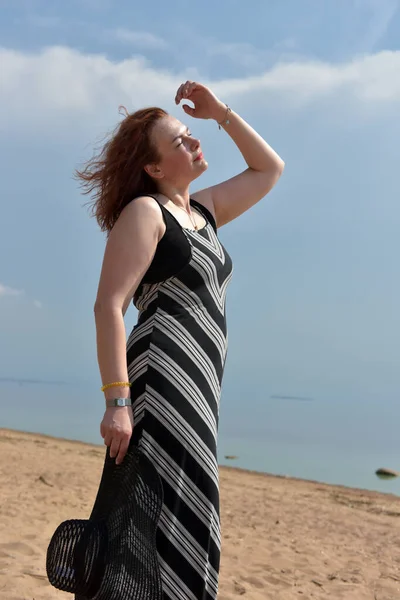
116,175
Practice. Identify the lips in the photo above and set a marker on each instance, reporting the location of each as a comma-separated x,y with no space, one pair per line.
198,157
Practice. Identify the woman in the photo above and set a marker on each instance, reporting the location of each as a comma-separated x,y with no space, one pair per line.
163,251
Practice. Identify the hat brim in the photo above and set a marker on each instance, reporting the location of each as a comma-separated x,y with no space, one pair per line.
113,554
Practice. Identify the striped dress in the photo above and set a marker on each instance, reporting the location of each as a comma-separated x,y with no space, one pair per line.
176,355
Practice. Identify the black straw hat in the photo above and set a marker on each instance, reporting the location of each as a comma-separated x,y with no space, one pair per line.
113,555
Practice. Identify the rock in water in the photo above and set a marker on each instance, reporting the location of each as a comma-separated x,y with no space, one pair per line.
386,473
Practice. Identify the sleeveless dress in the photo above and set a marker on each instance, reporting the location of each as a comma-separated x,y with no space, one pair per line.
176,356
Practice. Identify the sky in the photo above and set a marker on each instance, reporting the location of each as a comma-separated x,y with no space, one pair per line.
313,308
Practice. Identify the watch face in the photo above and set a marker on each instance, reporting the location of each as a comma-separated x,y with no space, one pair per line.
121,402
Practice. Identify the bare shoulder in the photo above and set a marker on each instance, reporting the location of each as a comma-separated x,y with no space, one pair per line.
142,212
143,207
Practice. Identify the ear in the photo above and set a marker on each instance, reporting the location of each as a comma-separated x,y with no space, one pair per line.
154,171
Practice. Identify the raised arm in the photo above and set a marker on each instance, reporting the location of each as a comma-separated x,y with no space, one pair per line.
233,197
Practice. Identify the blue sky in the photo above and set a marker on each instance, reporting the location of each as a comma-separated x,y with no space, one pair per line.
314,305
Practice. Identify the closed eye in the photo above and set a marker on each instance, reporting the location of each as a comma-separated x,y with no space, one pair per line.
181,142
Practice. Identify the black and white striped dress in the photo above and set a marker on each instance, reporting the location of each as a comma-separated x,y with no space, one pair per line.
176,355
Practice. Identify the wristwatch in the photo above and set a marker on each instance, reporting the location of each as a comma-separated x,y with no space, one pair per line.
118,402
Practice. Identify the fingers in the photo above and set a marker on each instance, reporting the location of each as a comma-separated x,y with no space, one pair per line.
185,90
116,430
108,441
114,447
118,444
123,449
188,110
179,93
119,447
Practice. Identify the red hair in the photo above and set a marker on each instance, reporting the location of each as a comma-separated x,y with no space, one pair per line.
116,174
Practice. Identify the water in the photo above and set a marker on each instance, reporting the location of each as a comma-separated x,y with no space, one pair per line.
327,442
326,463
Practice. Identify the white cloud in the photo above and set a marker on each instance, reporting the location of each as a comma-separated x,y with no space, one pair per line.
9,291
6,290
62,82
142,39
66,88
371,78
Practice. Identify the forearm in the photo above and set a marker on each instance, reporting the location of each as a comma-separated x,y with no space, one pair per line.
111,349
258,155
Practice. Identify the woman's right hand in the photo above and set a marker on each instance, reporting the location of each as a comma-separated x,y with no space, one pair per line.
116,430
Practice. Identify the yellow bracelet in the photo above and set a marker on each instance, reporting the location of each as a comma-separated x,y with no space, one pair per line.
115,384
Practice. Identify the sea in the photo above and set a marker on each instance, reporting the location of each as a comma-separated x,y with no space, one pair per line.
336,442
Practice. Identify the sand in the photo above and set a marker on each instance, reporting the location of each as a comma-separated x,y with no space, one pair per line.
282,538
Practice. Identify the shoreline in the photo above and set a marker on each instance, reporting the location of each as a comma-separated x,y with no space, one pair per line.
222,468
281,537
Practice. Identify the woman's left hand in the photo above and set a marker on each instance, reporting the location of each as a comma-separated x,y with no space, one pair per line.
206,104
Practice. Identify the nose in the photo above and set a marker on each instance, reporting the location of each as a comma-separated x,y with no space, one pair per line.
195,143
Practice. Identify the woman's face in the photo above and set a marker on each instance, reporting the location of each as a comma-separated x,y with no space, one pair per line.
181,159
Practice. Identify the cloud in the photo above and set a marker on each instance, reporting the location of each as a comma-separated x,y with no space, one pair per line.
61,82
371,78
141,39
6,290
67,88
9,291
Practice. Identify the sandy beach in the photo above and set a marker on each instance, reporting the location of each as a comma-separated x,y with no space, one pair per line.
282,538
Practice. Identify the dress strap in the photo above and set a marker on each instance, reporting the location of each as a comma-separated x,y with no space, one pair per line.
164,211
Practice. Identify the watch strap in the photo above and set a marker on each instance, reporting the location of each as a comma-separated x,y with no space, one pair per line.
118,402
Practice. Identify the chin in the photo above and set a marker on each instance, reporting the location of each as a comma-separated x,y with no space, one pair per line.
203,164
201,168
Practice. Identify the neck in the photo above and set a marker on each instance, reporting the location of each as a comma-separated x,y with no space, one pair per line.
180,197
